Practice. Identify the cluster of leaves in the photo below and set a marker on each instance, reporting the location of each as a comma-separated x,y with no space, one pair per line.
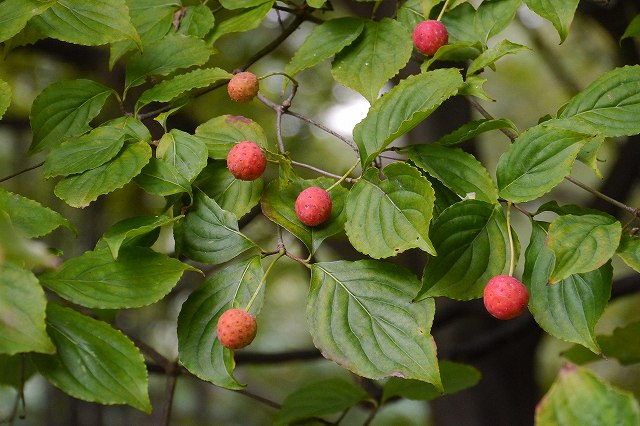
370,316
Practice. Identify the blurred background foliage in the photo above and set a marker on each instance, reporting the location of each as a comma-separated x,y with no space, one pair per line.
516,370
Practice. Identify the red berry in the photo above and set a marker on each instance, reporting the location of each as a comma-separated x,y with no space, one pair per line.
313,206
236,328
243,87
246,161
505,297
429,36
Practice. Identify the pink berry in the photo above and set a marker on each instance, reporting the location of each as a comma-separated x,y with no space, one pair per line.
313,206
236,328
246,161
243,87
429,36
505,297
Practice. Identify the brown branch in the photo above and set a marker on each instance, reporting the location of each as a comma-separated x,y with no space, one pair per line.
28,169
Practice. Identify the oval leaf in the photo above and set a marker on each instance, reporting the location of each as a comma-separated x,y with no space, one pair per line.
233,195
319,399
378,54
164,56
84,153
185,152
161,178
361,316
22,312
387,217
30,217
489,57
582,243
209,234
558,12
94,362
569,309
16,13
139,277
474,128
220,134
133,227
458,170
537,162
80,190
199,349
89,23
629,251
65,109
579,398
246,20
325,40
400,110
609,105
473,246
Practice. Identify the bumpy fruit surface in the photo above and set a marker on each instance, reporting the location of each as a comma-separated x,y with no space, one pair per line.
429,36
505,297
313,206
243,87
246,161
236,328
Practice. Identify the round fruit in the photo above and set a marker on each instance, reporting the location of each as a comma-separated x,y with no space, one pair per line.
313,206
429,36
246,161
236,328
243,86
505,297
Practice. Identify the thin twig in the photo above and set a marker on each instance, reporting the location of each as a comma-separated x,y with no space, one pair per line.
322,172
167,405
632,210
259,398
28,169
474,103
324,128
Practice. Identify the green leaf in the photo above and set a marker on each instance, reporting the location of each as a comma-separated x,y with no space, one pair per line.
138,277
278,202
474,128
197,21
629,250
455,377
633,30
319,399
22,312
588,155
569,309
152,19
316,3
387,217
489,57
29,216
474,86
65,109
221,133
83,153
132,227
164,56
199,349
87,23
14,15
94,362
187,153
5,96
325,40
493,16
458,170
246,20
381,50
445,197
537,161
209,234
168,90
610,105
400,110
558,12
579,398
361,316
473,246
615,346
241,4
412,12
582,243
80,190
233,195
133,128
162,178
456,52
